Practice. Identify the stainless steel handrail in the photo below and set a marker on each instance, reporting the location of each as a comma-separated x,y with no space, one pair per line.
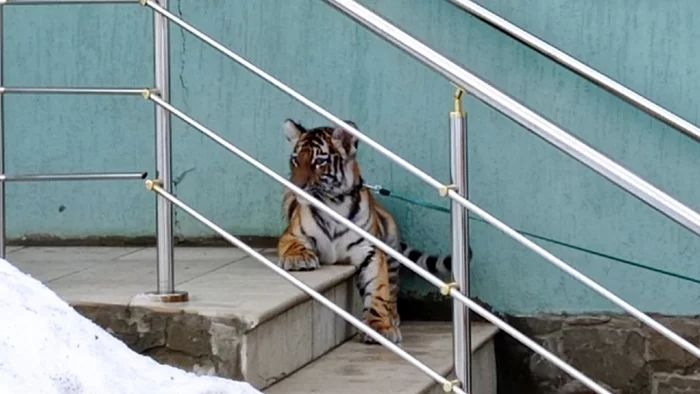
65,2
523,115
445,288
89,176
580,68
62,90
444,189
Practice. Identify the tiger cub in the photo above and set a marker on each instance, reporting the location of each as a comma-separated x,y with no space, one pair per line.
323,163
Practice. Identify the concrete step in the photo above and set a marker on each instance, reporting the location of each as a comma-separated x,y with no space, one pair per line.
354,367
243,321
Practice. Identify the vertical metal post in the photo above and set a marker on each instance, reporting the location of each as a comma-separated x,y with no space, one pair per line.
3,227
164,210
460,243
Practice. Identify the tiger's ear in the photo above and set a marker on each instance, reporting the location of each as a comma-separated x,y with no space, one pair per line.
293,131
344,139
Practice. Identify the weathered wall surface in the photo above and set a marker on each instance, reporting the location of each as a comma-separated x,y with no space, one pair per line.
648,45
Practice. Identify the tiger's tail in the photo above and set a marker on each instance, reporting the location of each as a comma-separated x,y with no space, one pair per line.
436,265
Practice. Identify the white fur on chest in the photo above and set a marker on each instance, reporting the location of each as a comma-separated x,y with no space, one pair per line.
332,238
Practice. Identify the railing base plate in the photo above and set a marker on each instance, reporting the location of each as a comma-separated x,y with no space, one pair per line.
177,296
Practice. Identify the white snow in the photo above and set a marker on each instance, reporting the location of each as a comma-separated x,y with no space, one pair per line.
46,347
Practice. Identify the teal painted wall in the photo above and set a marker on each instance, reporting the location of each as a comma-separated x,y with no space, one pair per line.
645,44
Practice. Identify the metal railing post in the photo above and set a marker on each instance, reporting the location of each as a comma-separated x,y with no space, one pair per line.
3,216
460,242
165,290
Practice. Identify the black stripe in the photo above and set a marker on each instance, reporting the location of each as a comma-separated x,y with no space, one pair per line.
414,255
307,236
431,264
339,234
315,140
393,280
341,170
292,206
362,287
365,223
374,313
320,222
355,207
367,260
393,264
335,160
333,199
448,263
355,243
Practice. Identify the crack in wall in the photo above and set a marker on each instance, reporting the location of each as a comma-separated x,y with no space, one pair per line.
177,227
181,73
178,179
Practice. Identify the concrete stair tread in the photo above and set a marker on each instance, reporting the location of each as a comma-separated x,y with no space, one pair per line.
354,367
250,291
222,282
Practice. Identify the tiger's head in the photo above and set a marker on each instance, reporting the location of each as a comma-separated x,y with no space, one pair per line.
322,161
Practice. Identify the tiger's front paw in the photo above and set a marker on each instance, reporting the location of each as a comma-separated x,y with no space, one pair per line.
305,261
392,332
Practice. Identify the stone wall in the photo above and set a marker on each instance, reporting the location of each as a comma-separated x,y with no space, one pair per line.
195,343
617,350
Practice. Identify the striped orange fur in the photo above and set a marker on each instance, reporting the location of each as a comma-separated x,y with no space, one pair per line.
323,163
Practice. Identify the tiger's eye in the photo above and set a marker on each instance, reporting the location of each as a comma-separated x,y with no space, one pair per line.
320,161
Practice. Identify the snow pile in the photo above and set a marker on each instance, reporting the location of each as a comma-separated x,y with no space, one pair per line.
46,347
